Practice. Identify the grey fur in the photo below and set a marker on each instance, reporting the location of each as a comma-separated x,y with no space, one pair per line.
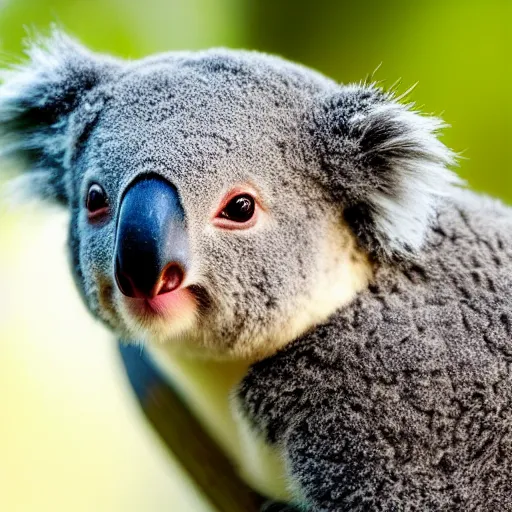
383,406
403,400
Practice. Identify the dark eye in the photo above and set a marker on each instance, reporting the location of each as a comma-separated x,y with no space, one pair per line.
239,209
97,201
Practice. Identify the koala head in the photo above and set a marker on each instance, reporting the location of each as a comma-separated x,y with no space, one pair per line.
221,201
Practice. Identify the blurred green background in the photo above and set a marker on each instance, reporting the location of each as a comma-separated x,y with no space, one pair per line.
458,50
71,436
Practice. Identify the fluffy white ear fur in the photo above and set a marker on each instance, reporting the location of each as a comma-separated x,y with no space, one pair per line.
386,165
37,100
48,61
420,163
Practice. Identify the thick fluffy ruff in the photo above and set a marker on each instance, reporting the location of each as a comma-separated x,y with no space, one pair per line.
402,401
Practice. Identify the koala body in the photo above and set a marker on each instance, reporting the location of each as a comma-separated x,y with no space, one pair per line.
409,385
295,244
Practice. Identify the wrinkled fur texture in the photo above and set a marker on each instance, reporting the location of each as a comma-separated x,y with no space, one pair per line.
398,400
403,400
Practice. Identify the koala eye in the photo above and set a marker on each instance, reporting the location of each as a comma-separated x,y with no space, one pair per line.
97,201
239,209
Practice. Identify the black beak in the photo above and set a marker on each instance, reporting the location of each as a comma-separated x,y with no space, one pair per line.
151,251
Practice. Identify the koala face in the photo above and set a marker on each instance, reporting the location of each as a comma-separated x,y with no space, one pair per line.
221,201
205,126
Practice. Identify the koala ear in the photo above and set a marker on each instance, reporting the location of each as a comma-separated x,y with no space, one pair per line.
39,102
384,163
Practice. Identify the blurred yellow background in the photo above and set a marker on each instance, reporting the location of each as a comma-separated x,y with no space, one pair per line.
71,437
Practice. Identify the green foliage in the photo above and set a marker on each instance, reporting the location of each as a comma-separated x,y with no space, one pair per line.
458,51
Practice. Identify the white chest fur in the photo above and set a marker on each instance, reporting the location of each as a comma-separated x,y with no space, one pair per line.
207,386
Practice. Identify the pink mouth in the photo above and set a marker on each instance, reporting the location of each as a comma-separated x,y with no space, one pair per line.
171,304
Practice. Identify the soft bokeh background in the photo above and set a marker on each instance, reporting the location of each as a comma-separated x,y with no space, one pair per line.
71,437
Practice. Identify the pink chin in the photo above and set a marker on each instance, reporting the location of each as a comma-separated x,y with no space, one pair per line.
171,304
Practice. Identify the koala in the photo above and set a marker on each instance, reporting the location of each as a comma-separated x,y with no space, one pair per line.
297,255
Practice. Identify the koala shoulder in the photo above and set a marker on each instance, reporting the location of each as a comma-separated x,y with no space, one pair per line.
351,402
